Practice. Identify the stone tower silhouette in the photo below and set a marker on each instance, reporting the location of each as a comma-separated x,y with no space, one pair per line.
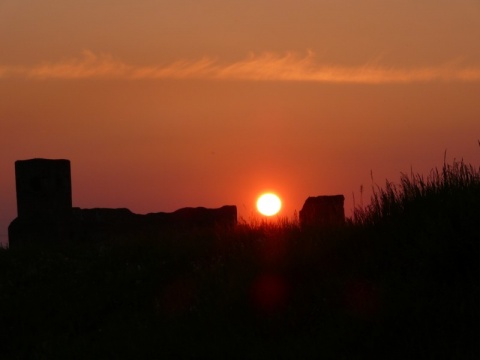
44,189
44,201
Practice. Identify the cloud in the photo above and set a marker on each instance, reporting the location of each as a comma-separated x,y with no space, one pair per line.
263,67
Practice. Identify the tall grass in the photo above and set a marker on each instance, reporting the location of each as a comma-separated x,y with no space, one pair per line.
453,189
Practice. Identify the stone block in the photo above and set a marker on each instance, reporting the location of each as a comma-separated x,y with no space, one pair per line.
323,211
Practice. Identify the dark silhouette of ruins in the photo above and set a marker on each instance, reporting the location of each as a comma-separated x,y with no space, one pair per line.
323,211
45,212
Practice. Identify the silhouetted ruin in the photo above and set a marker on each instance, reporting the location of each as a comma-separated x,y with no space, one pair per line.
45,213
44,189
323,211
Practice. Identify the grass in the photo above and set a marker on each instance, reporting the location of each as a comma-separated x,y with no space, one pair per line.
454,189
399,280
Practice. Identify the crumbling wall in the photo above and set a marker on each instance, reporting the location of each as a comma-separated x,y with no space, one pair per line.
45,213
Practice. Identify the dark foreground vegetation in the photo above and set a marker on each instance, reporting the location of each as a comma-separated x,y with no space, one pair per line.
400,280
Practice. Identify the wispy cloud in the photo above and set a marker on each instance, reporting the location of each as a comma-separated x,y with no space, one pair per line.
263,67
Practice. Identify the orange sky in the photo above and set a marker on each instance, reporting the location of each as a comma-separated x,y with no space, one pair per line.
173,103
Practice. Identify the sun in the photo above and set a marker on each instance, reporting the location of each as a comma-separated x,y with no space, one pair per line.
269,204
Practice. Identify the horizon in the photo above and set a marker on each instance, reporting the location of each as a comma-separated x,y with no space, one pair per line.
165,105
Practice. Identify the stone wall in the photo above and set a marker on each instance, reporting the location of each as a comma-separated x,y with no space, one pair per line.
45,213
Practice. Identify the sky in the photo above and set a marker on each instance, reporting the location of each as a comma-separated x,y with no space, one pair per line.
163,104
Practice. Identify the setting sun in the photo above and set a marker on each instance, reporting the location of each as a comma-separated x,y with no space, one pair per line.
269,204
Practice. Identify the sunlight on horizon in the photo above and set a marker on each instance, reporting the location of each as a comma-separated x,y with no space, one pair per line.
269,204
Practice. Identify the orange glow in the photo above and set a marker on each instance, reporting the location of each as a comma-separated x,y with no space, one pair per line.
269,204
